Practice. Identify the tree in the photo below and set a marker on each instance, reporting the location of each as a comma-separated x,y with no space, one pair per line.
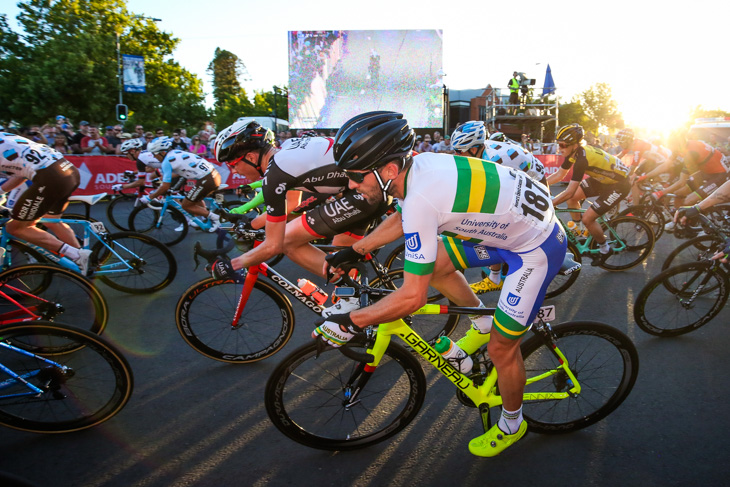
64,62
231,101
573,113
600,108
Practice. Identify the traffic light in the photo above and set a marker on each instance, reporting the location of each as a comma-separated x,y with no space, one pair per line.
122,112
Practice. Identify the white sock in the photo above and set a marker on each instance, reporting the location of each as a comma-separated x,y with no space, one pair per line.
495,276
483,323
510,421
604,247
213,216
71,252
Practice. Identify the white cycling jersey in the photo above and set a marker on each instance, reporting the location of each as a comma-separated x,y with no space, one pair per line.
23,157
181,163
470,199
514,156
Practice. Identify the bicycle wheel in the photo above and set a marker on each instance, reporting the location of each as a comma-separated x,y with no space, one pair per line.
171,230
635,235
693,250
204,317
93,383
397,258
603,359
647,214
118,210
53,293
22,254
308,396
133,263
429,327
681,299
561,283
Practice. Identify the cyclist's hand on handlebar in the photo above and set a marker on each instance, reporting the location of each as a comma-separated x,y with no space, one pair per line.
723,255
686,213
223,269
336,330
117,187
339,258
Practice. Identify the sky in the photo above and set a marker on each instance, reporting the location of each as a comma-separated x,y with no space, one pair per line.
660,60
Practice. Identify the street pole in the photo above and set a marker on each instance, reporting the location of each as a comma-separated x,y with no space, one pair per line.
119,70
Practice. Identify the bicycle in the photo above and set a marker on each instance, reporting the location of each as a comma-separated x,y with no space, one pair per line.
250,321
59,379
126,261
699,247
370,389
48,292
125,200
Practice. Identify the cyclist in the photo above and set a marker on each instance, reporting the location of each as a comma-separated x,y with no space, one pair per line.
646,157
134,150
470,139
485,213
53,179
302,164
607,179
188,166
704,169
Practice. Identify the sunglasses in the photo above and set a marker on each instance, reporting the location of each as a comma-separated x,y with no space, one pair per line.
562,145
357,177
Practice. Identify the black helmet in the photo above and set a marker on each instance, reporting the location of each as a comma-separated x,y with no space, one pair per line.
239,138
371,139
570,134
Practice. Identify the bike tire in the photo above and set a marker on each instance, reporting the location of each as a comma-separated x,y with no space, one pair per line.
144,219
648,214
429,327
603,359
118,210
153,266
305,396
693,250
99,386
672,303
205,312
561,283
396,258
53,293
637,236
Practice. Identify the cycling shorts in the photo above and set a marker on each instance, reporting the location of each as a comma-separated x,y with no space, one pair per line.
204,186
49,193
350,213
705,184
529,275
609,195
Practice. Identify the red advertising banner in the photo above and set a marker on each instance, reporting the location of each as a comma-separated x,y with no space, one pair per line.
100,173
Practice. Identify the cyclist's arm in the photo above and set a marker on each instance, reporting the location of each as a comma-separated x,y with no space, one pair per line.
681,183
272,245
557,176
389,230
11,183
720,195
404,301
159,191
567,193
665,167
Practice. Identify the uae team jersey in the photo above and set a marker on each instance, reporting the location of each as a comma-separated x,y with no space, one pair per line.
470,199
514,156
23,157
181,163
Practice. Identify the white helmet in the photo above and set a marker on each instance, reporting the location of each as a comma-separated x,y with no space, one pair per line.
130,144
241,137
498,136
469,134
159,144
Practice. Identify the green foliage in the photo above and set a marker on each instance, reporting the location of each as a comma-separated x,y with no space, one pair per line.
573,113
65,62
600,108
700,112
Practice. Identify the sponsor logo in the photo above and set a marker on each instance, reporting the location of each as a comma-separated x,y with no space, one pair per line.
413,242
560,236
522,281
513,300
481,251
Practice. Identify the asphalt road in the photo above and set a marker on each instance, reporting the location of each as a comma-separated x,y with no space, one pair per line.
196,422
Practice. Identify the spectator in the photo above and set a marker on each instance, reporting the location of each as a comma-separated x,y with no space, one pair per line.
34,133
122,137
63,126
139,132
94,144
112,136
445,146
426,144
78,136
159,132
437,137
60,143
49,132
184,136
177,142
197,148
148,137
514,96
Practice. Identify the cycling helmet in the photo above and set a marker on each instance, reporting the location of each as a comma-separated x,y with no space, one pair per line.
160,144
235,141
371,139
625,136
130,144
467,135
307,133
498,136
677,141
570,134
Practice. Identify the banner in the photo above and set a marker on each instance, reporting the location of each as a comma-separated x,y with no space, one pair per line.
100,173
133,74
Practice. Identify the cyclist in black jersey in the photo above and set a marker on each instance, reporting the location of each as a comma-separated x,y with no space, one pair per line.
608,179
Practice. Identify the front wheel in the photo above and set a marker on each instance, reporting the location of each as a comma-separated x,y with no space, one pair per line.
633,237
205,317
648,214
693,250
132,262
330,402
604,361
170,228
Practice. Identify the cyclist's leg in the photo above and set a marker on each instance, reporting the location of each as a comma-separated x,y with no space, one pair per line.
193,202
609,196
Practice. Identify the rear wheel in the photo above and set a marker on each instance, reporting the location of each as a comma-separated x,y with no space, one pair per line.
171,229
636,238
119,208
648,214
561,283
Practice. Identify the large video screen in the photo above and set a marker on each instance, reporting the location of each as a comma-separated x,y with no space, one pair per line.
337,74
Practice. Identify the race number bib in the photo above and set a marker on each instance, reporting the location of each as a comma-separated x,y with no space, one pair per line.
532,203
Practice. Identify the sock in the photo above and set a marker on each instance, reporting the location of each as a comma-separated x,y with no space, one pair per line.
483,323
604,247
213,216
495,276
71,252
510,421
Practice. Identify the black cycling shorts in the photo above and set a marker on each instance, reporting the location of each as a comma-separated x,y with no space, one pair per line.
350,213
609,195
204,186
49,192
705,184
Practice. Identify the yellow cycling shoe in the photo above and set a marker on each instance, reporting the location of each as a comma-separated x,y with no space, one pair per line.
495,441
473,340
486,285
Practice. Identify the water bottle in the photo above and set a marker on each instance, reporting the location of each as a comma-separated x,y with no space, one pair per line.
455,355
572,227
312,290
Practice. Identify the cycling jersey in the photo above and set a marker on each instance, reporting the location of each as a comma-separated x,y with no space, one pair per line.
145,158
700,156
181,163
641,149
514,156
602,166
470,199
23,157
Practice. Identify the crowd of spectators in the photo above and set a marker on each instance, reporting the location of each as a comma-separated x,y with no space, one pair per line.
437,143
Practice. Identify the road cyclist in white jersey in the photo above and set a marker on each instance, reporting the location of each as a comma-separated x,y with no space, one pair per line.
189,166
53,179
484,213
470,139
134,150
306,197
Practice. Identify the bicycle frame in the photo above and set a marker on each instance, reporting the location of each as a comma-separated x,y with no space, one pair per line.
23,313
15,378
585,247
